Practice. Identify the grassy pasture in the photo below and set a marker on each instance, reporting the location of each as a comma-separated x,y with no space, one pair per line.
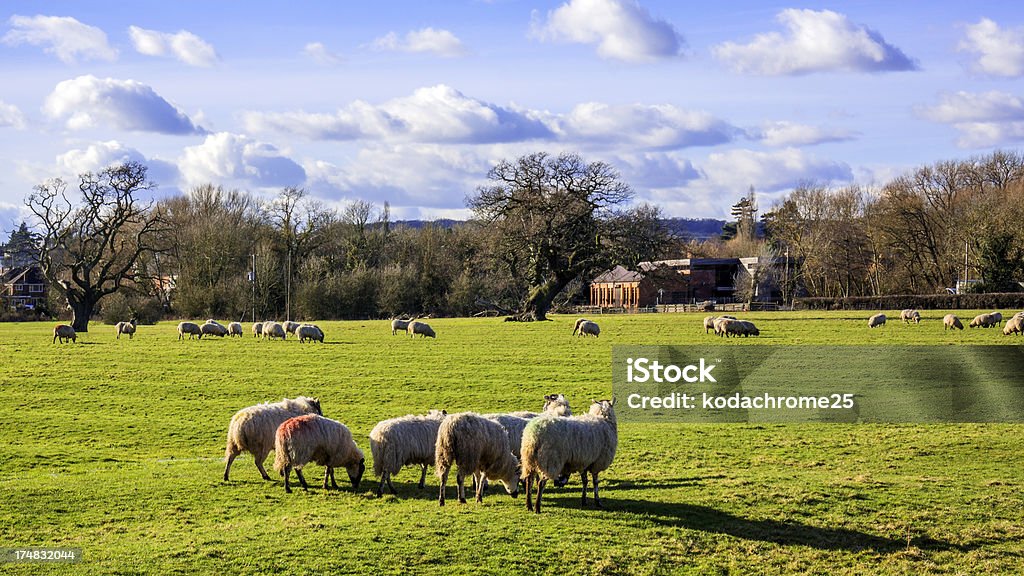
116,446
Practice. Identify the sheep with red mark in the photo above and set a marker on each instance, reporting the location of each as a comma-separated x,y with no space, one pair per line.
252,429
313,438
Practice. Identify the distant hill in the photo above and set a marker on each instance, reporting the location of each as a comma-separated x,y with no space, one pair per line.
698,228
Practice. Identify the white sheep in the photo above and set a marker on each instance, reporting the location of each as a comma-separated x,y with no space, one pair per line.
553,447
479,447
416,327
64,333
257,329
235,329
576,326
404,441
398,325
950,321
125,328
876,320
982,321
553,404
290,327
910,315
747,328
588,328
252,429
709,322
997,317
273,330
189,328
310,332
313,438
212,328
1015,325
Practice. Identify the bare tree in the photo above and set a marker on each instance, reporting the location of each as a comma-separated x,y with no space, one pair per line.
90,247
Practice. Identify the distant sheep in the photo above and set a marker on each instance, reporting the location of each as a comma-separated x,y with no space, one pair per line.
479,447
404,441
290,327
189,328
257,329
1015,325
576,327
709,322
910,315
313,438
214,329
876,320
553,404
235,329
273,330
422,328
553,447
398,325
983,321
125,328
950,322
64,333
997,316
252,429
310,332
587,328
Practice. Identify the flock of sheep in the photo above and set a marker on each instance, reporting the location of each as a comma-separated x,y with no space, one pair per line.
269,330
508,448
1015,325
730,326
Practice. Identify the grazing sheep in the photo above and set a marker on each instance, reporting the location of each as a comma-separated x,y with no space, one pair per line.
257,329
876,320
982,321
213,329
273,330
252,429
725,326
189,328
479,447
415,327
235,329
709,322
313,438
399,325
553,447
1015,325
404,441
588,328
553,404
310,332
997,317
747,328
64,333
950,321
290,327
125,328
576,326
910,315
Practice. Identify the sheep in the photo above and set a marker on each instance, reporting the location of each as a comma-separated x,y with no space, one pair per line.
416,327
588,328
290,327
478,447
876,320
403,441
553,447
950,321
729,326
252,429
398,324
910,315
257,329
235,329
982,321
313,438
310,332
997,317
709,322
214,329
1015,325
189,328
64,333
553,404
576,326
273,330
125,328
747,328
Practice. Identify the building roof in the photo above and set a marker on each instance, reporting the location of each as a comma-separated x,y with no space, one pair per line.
23,275
618,274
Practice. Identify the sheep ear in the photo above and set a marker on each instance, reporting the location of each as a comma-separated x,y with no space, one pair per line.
613,401
444,412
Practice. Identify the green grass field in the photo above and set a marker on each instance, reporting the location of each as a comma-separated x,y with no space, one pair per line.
116,446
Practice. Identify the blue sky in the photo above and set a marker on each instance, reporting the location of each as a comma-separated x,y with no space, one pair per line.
412,102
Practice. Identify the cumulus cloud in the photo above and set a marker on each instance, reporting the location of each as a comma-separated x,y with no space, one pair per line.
11,116
621,29
63,36
88,101
426,40
982,119
237,159
648,126
183,45
794,134
1000,52
435,114
814,41
320,54
770,171
99,155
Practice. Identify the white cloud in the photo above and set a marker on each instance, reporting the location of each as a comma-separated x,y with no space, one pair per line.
656,169
621,29
737,170
11,116
648,126
815,41
99,155
62,36
435,114
183,45
425,40
87,101
237,160
319,53
1000,52
794,134
982,119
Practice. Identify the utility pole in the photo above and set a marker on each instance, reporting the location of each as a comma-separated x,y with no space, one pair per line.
288,289
253,279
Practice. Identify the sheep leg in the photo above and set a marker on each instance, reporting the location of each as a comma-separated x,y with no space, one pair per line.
597,499
460,482
392,486
423,477
287,474
227,466
259,466
444,480
540,491
302,479
327,476
583,501
479,488
529,495
334,484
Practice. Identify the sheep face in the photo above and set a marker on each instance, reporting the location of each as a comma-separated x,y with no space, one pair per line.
355,471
